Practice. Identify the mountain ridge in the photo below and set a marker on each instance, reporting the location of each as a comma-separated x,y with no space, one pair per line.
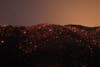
71,45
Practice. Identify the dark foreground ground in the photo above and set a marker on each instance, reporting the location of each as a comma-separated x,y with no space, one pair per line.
49,45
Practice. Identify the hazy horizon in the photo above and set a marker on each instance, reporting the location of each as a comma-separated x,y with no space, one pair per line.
63,12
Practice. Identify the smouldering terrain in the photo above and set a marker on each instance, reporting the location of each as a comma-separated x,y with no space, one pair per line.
49,45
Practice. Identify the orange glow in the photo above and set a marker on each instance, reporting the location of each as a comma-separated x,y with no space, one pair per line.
84,12
30,12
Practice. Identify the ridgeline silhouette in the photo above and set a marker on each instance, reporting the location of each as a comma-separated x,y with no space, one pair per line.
50,45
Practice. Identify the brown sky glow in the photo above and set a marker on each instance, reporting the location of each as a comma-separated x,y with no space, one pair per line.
30,12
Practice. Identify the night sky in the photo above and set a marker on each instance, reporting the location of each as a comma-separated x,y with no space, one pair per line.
30,12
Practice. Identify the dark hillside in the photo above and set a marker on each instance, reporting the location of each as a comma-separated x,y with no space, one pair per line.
50,45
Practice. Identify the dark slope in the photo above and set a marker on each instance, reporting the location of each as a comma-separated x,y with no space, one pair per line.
49,44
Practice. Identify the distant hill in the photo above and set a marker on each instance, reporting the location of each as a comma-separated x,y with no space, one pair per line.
50,44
